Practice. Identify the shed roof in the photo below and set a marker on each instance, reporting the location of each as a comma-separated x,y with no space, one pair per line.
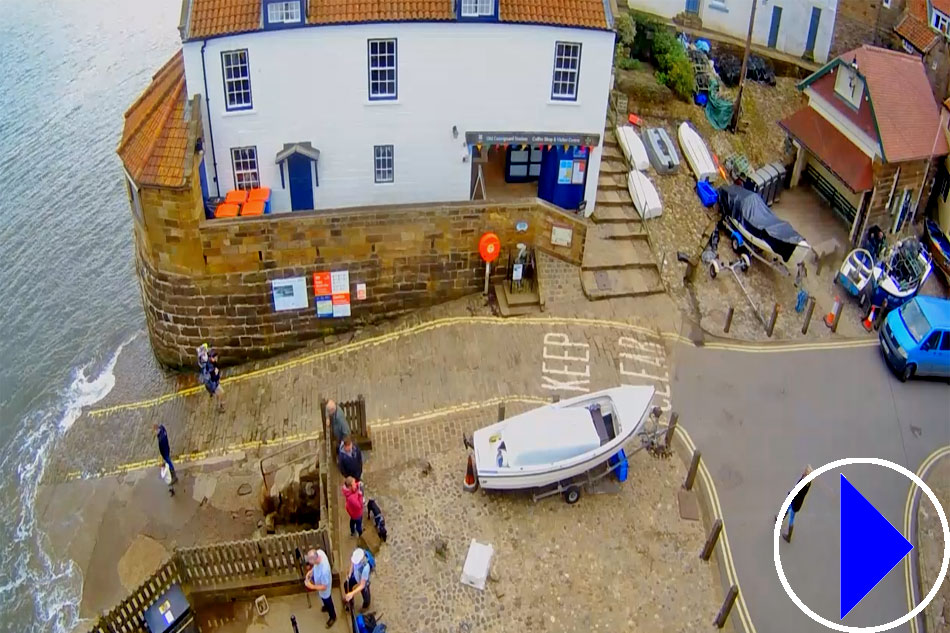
160,129
213,18
832,148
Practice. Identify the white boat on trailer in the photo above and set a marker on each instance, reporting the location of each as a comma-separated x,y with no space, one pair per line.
556,443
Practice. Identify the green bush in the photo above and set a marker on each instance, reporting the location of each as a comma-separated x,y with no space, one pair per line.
677,74
626,29
629,63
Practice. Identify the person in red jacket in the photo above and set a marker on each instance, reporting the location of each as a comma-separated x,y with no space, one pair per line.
353,493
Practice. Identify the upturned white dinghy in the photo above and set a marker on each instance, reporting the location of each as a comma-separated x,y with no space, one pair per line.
697,154
644,195
559,441
633,148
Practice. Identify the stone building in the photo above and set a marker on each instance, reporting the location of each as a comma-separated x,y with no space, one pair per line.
370,128
867,137
865,22
919,33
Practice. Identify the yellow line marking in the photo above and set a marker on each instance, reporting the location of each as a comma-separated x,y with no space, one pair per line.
924,467
497,321
463,407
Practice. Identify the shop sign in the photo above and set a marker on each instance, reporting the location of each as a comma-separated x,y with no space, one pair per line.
531,138
289,294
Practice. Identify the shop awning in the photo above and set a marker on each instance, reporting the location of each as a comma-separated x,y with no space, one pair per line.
304,149
835,151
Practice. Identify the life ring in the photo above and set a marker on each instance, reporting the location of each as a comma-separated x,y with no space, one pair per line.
489,247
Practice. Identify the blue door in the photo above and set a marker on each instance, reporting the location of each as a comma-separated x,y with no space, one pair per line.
812,32
692,6
776,21
301,182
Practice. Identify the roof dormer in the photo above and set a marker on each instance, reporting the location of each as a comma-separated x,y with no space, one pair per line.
281,14
476,10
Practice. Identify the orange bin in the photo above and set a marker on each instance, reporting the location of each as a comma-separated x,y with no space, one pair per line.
236,196
260,193
227,210
252,207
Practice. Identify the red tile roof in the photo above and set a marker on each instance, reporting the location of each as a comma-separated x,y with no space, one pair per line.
915,28
942,5
863,118
832,148
156,136
211,18
903,103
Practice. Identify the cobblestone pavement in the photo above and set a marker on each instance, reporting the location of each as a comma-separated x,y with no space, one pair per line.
455,361
930,541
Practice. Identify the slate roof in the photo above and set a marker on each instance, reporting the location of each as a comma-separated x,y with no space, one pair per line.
211,18
832,148
915,28
157,136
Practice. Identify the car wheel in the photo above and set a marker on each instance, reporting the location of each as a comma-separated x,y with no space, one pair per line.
908,372
572,495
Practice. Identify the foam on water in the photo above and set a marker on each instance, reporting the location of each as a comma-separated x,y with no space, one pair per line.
30,579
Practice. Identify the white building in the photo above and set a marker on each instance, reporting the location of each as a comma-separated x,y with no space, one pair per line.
802,28
338,103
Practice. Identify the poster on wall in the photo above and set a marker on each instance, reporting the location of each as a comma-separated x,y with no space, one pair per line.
341,305
323,295
361,292
564,172
577,176
562,235
331,293
289,294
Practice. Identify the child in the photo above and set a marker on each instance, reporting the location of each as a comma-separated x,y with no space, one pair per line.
353,493
212,378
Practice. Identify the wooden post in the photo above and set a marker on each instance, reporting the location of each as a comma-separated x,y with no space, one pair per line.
711,540
670,429
501,411
834,324
771,326
734,123
809,310
727,604
693,468
729,319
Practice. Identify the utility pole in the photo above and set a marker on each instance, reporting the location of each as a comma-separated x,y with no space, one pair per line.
734,124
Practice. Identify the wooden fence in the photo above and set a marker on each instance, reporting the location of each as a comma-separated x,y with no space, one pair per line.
355,413
231,569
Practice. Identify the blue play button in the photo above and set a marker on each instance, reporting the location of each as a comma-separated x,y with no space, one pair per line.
870,547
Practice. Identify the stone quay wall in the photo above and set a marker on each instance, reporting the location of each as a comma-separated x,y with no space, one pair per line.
213,283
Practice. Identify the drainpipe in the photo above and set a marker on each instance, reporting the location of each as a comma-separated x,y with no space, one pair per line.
214,160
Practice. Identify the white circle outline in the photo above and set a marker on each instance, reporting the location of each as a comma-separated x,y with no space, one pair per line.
847,462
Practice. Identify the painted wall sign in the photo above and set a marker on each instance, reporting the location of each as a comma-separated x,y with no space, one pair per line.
562,236
564,172
361,292
289,294
532,138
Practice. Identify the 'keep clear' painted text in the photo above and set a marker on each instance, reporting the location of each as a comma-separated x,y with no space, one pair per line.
565,365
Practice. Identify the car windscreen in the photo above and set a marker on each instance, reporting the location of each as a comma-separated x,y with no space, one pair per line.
917,323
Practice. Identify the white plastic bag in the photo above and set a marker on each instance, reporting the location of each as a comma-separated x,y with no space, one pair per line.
166,474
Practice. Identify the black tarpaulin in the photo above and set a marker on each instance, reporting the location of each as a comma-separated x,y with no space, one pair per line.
749,209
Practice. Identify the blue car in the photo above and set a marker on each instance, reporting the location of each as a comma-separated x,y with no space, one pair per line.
915,339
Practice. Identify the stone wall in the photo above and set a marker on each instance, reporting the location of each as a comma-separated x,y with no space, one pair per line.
218,288
860,22
911,174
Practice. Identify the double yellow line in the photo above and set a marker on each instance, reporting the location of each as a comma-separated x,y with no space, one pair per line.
914,491
437,324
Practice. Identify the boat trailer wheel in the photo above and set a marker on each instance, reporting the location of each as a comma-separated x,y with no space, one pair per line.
746,262
572,494
713,269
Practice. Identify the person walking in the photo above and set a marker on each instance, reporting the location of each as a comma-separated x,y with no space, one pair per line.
350,459
211,377
338,424
357,581
318,579
164,450
796,505
353,495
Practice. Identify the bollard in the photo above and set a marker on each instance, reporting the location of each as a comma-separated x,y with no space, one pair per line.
711,540
693,468
501,411
880,317
809,311
670,429
834,324
727,604
729,319
557,397
771,326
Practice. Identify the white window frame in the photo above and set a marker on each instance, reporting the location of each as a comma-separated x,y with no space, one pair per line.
908,48
287,12
565,80
246,168
237,86
477,8
941,22
375,52
384,164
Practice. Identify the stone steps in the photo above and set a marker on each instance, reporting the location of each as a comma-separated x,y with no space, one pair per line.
611,284
614,198
632,230
613,153
516,303
614,214
614,166
612,182
610,254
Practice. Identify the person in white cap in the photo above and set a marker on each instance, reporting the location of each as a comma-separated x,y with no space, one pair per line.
319,579
358,578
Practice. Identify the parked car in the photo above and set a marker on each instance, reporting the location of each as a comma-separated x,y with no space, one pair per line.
915,339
